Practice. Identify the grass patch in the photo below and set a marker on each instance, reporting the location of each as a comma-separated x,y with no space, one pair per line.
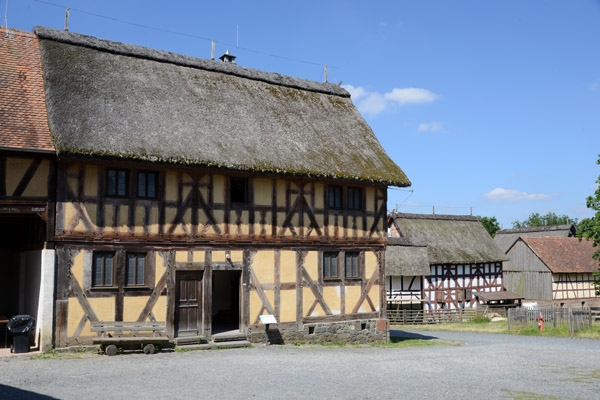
518,395
502,327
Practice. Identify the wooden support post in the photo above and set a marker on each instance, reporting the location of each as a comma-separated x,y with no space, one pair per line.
404,316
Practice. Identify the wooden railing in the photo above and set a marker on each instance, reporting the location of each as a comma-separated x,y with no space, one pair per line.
417,317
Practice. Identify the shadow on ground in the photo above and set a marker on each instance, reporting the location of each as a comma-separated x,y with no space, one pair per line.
398,336
9,392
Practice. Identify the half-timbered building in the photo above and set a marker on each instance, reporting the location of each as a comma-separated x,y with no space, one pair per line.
557,270
462,258
204,194
406,264
27,181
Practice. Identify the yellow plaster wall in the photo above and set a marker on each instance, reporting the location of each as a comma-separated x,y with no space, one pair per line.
139,219
263,266
77,267
370,193
160,309
331,294
218,256
374,295
104,307
236,256
370,263
311,265
219,182
287,267
160,268
281,189
171,186
352,296
198,256
255,306
181,256
307,300
90,187
38,185
319,195
263,190
133,306
91,211
288,305
15,169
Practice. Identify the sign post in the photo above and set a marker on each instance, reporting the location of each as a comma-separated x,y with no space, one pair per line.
267,320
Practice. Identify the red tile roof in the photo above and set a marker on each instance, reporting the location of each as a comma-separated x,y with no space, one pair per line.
23,120
564,254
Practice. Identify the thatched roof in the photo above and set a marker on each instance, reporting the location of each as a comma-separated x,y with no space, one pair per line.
451,239
113,99
406,257
505,238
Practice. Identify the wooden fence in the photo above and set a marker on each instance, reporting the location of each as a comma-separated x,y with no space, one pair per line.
554,317
417,317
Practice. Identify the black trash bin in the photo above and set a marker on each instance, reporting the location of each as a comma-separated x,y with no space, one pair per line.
19,327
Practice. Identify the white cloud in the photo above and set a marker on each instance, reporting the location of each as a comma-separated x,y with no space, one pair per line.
373,103
501,194
410,96
356,92
594,86
431,127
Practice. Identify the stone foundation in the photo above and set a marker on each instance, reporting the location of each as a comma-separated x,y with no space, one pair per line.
355,331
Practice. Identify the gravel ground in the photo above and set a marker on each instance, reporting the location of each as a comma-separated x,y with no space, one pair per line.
482,366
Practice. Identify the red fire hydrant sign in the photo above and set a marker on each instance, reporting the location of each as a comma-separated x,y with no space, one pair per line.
541,322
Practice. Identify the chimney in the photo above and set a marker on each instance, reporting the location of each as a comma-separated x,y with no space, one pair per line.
227,57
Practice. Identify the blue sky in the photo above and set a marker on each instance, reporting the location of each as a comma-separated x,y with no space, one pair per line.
493,105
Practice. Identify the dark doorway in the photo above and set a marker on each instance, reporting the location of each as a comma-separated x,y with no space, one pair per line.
22,239
225,301
188,321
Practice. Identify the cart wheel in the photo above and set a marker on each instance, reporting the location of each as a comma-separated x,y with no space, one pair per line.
111,350
149,348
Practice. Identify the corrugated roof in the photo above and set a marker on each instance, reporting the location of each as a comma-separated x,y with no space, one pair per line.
564,255
505,238
406,257
115,99
451,239
23,120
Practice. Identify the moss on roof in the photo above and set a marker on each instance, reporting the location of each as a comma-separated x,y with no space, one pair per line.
113,99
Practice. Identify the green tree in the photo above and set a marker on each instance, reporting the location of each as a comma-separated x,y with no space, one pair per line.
549,219
490,224
589,228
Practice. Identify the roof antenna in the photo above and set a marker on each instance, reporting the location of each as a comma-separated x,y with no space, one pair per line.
325,73
67,19
212,51
6,17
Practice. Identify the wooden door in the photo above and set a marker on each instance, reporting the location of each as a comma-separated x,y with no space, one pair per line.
188,312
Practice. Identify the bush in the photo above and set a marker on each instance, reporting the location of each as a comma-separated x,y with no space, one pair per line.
480,318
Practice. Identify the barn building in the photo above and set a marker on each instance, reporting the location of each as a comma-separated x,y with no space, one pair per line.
462,259
192,192
505,238
553,270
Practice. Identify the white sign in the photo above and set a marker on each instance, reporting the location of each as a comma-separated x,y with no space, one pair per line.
268,319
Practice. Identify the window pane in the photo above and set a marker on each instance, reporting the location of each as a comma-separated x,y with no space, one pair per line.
348,264
141,261
334,265
141,184
97,270
108,261
122,183
151,189
355,265
331,197
326,265
130,269
239,190
111,185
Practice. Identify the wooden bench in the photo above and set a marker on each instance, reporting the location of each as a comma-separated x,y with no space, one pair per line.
138,336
